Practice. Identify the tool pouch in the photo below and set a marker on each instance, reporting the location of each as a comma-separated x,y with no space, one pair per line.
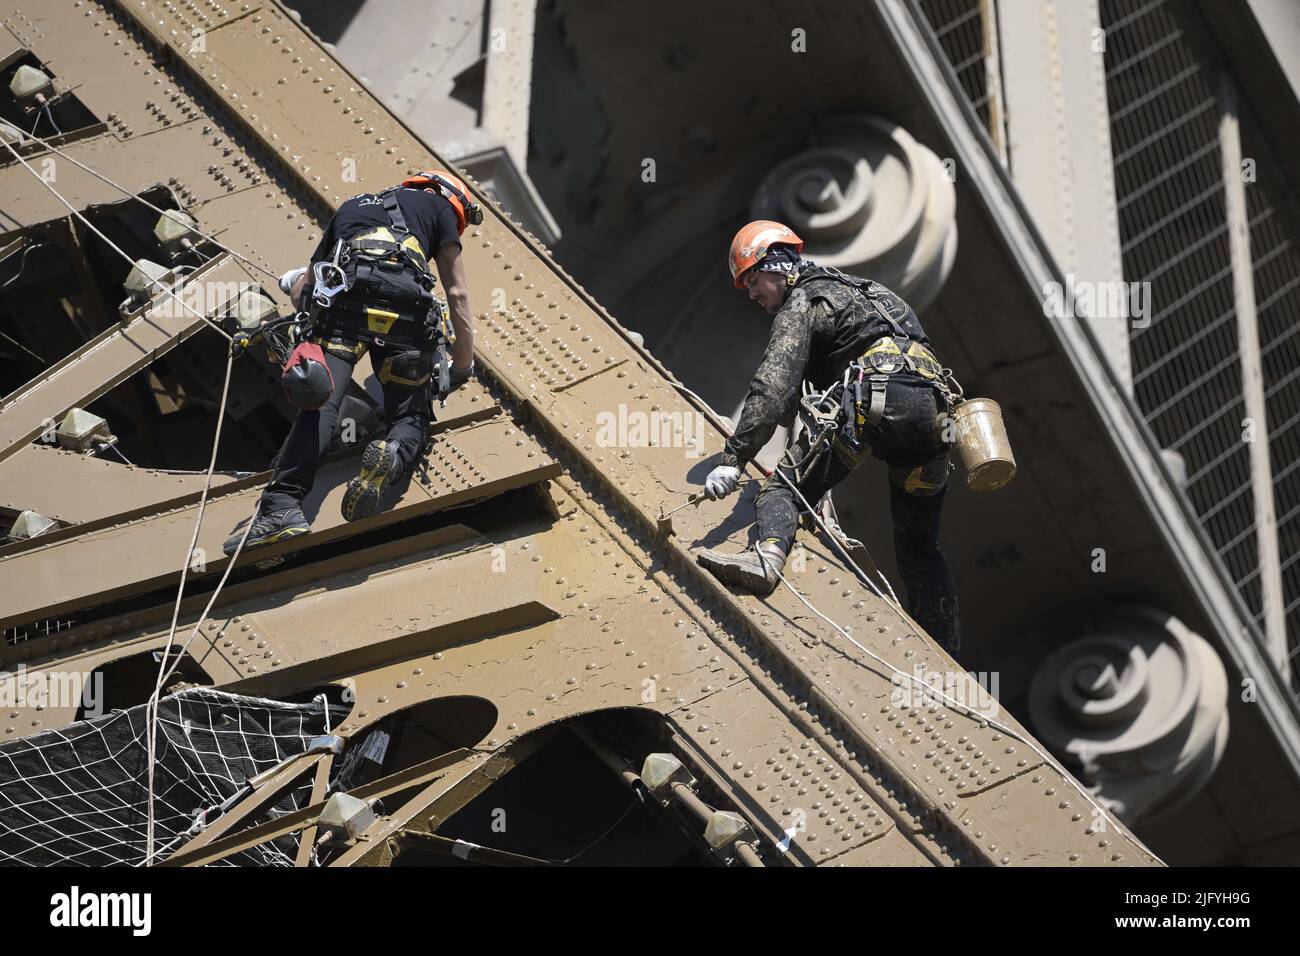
306,378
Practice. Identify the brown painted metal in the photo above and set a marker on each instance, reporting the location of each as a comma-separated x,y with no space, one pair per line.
577,608
109,359
304,819
382,841
264,793
51,481
121,493
319,785
139,555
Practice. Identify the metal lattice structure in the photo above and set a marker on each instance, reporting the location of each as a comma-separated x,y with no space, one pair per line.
1174,233
1276,267
1162,87
966,32
522,599
1165,105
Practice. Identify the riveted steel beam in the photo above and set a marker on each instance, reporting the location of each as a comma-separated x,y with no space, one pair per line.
116,354
1135,445
477,462
88,493
432,769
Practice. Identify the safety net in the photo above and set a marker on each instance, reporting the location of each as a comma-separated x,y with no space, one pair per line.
78,796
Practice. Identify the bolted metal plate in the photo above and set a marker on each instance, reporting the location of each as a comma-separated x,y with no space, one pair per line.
477,461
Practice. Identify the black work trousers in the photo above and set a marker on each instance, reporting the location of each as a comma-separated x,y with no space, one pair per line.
917,458
406,377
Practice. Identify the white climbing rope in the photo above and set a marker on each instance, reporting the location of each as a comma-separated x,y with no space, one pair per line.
148,205
893,605
164,670
112,245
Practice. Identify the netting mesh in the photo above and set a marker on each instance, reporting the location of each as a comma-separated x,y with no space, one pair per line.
78,796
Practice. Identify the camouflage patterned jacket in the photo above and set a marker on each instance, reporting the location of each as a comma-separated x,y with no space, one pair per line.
825,324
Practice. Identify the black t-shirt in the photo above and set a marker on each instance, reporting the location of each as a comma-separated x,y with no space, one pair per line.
429,217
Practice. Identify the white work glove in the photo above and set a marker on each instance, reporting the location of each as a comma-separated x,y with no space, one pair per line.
722,481
289,278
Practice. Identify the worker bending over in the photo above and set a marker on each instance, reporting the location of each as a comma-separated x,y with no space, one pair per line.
369,289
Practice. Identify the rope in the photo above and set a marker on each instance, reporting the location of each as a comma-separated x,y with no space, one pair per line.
843,552
112,245
14,341
148,205
152,711
637,800
164,672
44,111
112,446
980,718
211,601
970,712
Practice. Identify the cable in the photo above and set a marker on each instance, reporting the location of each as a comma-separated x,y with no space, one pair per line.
843,552
112,245
970,712
44,110
637,800
148,205
28,247
858,572
988,721
113,447
11,338
164,673
225,575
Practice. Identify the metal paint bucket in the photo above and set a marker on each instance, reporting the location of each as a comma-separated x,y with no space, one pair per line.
983,445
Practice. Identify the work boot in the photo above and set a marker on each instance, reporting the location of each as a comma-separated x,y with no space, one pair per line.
366,490
754,570
268,528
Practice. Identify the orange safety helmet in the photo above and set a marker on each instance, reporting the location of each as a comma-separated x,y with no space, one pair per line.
453,190
751,245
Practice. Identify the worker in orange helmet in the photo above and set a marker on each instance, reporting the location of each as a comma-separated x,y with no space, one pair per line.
370,288
863,348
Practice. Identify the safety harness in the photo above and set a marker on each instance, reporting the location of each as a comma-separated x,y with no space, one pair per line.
845,413
377,287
